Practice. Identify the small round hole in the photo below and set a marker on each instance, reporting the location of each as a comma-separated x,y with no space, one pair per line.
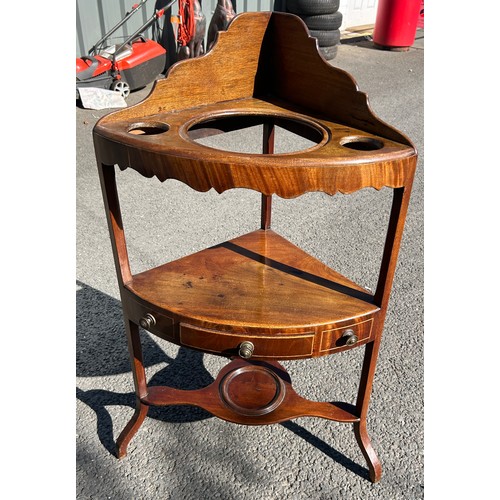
361,143
151,128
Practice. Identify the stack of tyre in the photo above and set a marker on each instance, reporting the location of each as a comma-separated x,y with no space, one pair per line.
323,19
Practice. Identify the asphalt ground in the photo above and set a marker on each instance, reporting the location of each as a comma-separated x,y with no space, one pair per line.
182,453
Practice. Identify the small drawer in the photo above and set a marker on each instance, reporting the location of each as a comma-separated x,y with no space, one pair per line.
339,338
150,320
284,347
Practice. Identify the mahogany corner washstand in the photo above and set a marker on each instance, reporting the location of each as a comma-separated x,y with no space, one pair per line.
256,299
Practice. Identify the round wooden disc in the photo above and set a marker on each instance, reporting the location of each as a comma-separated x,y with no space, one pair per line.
252,390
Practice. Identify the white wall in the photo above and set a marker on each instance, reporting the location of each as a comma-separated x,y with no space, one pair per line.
357,12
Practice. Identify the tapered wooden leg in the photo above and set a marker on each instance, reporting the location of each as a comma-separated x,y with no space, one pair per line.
374,467
139,374
365,387
131,428
266,200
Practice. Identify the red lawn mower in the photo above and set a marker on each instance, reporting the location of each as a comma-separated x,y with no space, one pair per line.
124,67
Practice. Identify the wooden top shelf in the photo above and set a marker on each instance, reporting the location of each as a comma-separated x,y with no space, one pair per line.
264,70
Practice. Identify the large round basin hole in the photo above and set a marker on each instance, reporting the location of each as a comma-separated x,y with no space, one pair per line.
150,128
245,133
361,143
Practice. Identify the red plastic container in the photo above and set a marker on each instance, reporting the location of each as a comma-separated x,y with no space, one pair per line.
420,23
396,24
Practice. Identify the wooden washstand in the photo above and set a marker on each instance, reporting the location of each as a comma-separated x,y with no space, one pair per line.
256,299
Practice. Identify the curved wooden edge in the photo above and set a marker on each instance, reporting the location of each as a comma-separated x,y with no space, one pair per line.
374,466
131,428
292,406
299,73
229,67
292,181
261,56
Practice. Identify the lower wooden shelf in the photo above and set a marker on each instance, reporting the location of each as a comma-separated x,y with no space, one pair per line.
257,288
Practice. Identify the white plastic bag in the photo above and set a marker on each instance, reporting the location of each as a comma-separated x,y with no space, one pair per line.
95,98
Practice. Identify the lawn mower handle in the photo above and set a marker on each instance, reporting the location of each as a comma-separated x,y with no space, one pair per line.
158,13
135,8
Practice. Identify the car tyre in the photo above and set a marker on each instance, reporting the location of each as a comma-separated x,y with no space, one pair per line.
312,7
329,53
326,38
323,21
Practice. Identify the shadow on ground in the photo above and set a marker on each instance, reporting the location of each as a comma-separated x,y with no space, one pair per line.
102,350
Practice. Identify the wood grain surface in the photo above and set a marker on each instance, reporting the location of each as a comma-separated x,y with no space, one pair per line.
254,71
258,290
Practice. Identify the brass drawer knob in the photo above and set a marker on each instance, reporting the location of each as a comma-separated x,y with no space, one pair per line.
147,321
246,350
350,337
